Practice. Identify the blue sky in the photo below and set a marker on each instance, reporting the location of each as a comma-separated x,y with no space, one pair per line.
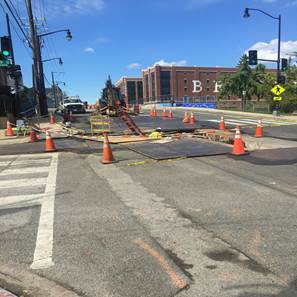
121,37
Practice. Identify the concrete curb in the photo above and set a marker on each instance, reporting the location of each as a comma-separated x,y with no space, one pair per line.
24,283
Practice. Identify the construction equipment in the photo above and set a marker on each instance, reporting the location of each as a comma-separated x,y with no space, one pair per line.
110,99
116,106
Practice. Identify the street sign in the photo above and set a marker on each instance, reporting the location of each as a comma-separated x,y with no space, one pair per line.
277,90
277,98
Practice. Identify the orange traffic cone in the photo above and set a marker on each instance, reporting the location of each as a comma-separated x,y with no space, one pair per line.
238,147
152,112
155,112
164,114
49,143
192,119
52,119
222,123
259,129
170,114
186,118
9,131
33,137
107,157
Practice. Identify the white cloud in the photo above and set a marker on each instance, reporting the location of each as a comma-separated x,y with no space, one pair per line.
269,50
89,50
83,7
134,66
292,3
162,62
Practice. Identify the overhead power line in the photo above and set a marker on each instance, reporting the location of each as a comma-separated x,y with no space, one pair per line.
17,22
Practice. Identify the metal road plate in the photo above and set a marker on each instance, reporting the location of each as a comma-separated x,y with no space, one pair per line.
277,90
179,148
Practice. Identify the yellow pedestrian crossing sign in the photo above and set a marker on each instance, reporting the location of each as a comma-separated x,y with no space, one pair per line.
277,98
277,90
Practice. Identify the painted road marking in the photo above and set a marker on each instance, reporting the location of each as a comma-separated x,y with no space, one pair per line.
44,241
11,200
24,170
228,122
25,182
174,277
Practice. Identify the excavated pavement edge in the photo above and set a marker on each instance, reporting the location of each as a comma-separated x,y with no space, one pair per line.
24,283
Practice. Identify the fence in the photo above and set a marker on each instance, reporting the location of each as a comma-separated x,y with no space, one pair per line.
211,102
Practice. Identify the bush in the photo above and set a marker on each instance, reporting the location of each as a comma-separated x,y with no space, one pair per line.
288,106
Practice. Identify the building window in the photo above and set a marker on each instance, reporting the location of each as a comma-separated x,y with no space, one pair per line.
165,78
185,81
185,89
146,86
207,89
153,85
131,92
140,89
207,81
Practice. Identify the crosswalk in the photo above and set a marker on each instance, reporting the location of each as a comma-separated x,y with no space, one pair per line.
29,180
252,122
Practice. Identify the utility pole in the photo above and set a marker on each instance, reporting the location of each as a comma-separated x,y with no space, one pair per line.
54,89
37,63
9,35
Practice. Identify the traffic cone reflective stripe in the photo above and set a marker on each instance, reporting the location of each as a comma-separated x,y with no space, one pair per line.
49,143
107,157
33,137
192,119
52,119
238,146
259,129
222,123
186,118
9,131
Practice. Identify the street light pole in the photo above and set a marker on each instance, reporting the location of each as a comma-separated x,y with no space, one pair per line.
247,15
54,89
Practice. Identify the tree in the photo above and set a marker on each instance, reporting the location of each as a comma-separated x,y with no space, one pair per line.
239,83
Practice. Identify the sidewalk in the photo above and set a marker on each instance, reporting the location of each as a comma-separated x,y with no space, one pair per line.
292,118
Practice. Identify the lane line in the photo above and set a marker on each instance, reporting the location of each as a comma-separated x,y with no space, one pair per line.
25,170
44,242
267,122
174,277
24,182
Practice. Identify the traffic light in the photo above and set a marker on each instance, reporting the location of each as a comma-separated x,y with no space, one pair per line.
281,80
5,46
253,57
284,64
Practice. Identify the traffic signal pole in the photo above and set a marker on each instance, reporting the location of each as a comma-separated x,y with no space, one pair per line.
9,35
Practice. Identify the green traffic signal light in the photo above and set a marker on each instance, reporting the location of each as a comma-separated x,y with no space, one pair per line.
5,53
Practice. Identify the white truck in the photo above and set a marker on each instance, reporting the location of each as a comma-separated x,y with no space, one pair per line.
74,104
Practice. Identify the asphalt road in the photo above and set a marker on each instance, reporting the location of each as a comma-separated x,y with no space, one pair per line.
211,226
276,128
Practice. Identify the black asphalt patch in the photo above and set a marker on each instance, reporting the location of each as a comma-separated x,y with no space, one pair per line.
178,149
283,156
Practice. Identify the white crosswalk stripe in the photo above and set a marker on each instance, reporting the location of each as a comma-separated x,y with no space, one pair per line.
252,122
22,185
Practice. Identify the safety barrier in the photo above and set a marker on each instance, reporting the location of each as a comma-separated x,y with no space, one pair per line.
100,124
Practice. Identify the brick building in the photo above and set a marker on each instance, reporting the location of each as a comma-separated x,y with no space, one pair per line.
161,83
131,89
